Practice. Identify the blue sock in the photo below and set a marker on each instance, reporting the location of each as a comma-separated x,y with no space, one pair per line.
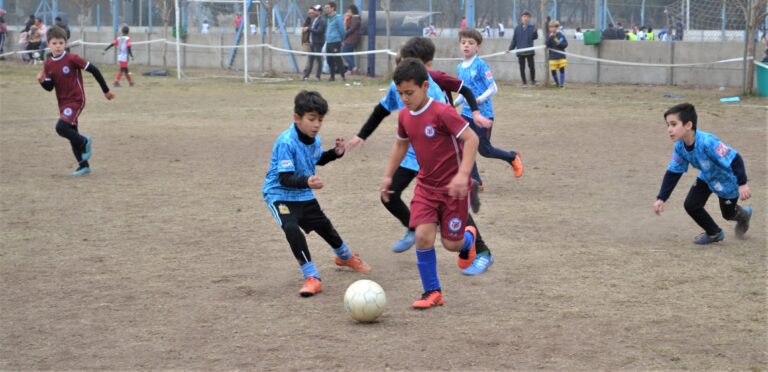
308,269
427,262
468,240
554,77
343,252
562,78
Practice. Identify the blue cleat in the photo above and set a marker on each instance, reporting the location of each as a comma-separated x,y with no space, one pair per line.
743,223
88,148
404,244
704,239
480,265
82,171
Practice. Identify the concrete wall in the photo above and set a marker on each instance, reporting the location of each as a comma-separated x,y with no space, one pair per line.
505,68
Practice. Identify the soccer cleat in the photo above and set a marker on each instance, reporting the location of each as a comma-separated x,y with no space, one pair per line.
82,171
703,238
116,84
474,197
88,148
465,262
131,83
311,287
743,225
354,263
479,265
517,166
404,244
429,299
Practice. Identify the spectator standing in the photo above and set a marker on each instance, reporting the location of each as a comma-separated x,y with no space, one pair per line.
238,21
679,30
501,29
621,33
30,23
463,23
352,38
578,35
333,36
316,40
305,31
523,38
204,29
60,24
3,32
487,31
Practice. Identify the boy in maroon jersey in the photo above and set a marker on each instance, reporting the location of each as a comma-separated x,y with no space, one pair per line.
436,133
62,70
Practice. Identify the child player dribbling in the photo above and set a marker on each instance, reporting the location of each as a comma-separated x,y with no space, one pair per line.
436,132
62,71
722,173
288,189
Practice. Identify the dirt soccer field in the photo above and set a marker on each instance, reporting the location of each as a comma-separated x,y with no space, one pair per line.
166,257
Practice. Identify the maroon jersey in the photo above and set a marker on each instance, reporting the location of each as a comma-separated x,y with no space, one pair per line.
433,132
66,73
447,83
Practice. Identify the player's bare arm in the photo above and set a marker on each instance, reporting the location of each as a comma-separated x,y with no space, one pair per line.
459,185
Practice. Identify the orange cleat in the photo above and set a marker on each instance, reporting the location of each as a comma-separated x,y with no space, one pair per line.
465,262
429,299
354,263
311,287
517,166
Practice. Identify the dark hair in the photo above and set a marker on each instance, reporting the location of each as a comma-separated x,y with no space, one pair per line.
526,13
331,4
125,30
307,101
685,112
419,47
56,33
353,9
410,69
58,19
578,29
39,19
471,33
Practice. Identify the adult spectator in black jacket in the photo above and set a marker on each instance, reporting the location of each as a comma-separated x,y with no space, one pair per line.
523,37
316,40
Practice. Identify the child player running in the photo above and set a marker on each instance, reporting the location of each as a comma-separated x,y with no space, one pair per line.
288,189
62,71
722,172
436,132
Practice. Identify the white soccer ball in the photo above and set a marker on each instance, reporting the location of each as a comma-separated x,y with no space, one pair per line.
36,55
365,300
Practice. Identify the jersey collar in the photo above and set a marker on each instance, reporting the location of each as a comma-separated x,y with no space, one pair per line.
467,63
423,108
59,57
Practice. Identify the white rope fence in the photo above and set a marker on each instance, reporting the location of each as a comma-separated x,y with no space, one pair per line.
393,53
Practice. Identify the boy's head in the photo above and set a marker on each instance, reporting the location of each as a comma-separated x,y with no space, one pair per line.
309,109
411,78
330,7
125,30
470,41
553,26
57,40
681,120
526,17
419,47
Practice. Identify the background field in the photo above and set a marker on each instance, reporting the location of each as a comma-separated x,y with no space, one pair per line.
165,257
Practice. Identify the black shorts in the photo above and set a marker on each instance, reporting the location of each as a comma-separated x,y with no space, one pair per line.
306,214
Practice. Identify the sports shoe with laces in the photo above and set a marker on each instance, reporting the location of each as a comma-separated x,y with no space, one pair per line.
81,171
88,148
311,287
404,244
465,262
480,265
704,239
355,263
429,299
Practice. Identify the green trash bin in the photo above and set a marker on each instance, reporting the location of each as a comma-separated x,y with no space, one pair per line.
592,37
761,69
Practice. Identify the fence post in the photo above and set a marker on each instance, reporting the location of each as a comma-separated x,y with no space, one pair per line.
671,73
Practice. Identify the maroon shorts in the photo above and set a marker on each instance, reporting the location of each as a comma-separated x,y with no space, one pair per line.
123,64
430,205
69,112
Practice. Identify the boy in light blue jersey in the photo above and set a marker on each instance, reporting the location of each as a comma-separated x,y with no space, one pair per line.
722,172
289,183
477,75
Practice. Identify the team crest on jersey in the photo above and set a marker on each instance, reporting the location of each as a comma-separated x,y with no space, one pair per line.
454,224
722,149
65,69
429,131
67,111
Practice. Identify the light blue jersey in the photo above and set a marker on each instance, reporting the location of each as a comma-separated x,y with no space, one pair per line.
713,157
478,77
291,155
391,101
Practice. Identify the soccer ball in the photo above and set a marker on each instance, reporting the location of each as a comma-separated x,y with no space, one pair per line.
36,55
365,300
